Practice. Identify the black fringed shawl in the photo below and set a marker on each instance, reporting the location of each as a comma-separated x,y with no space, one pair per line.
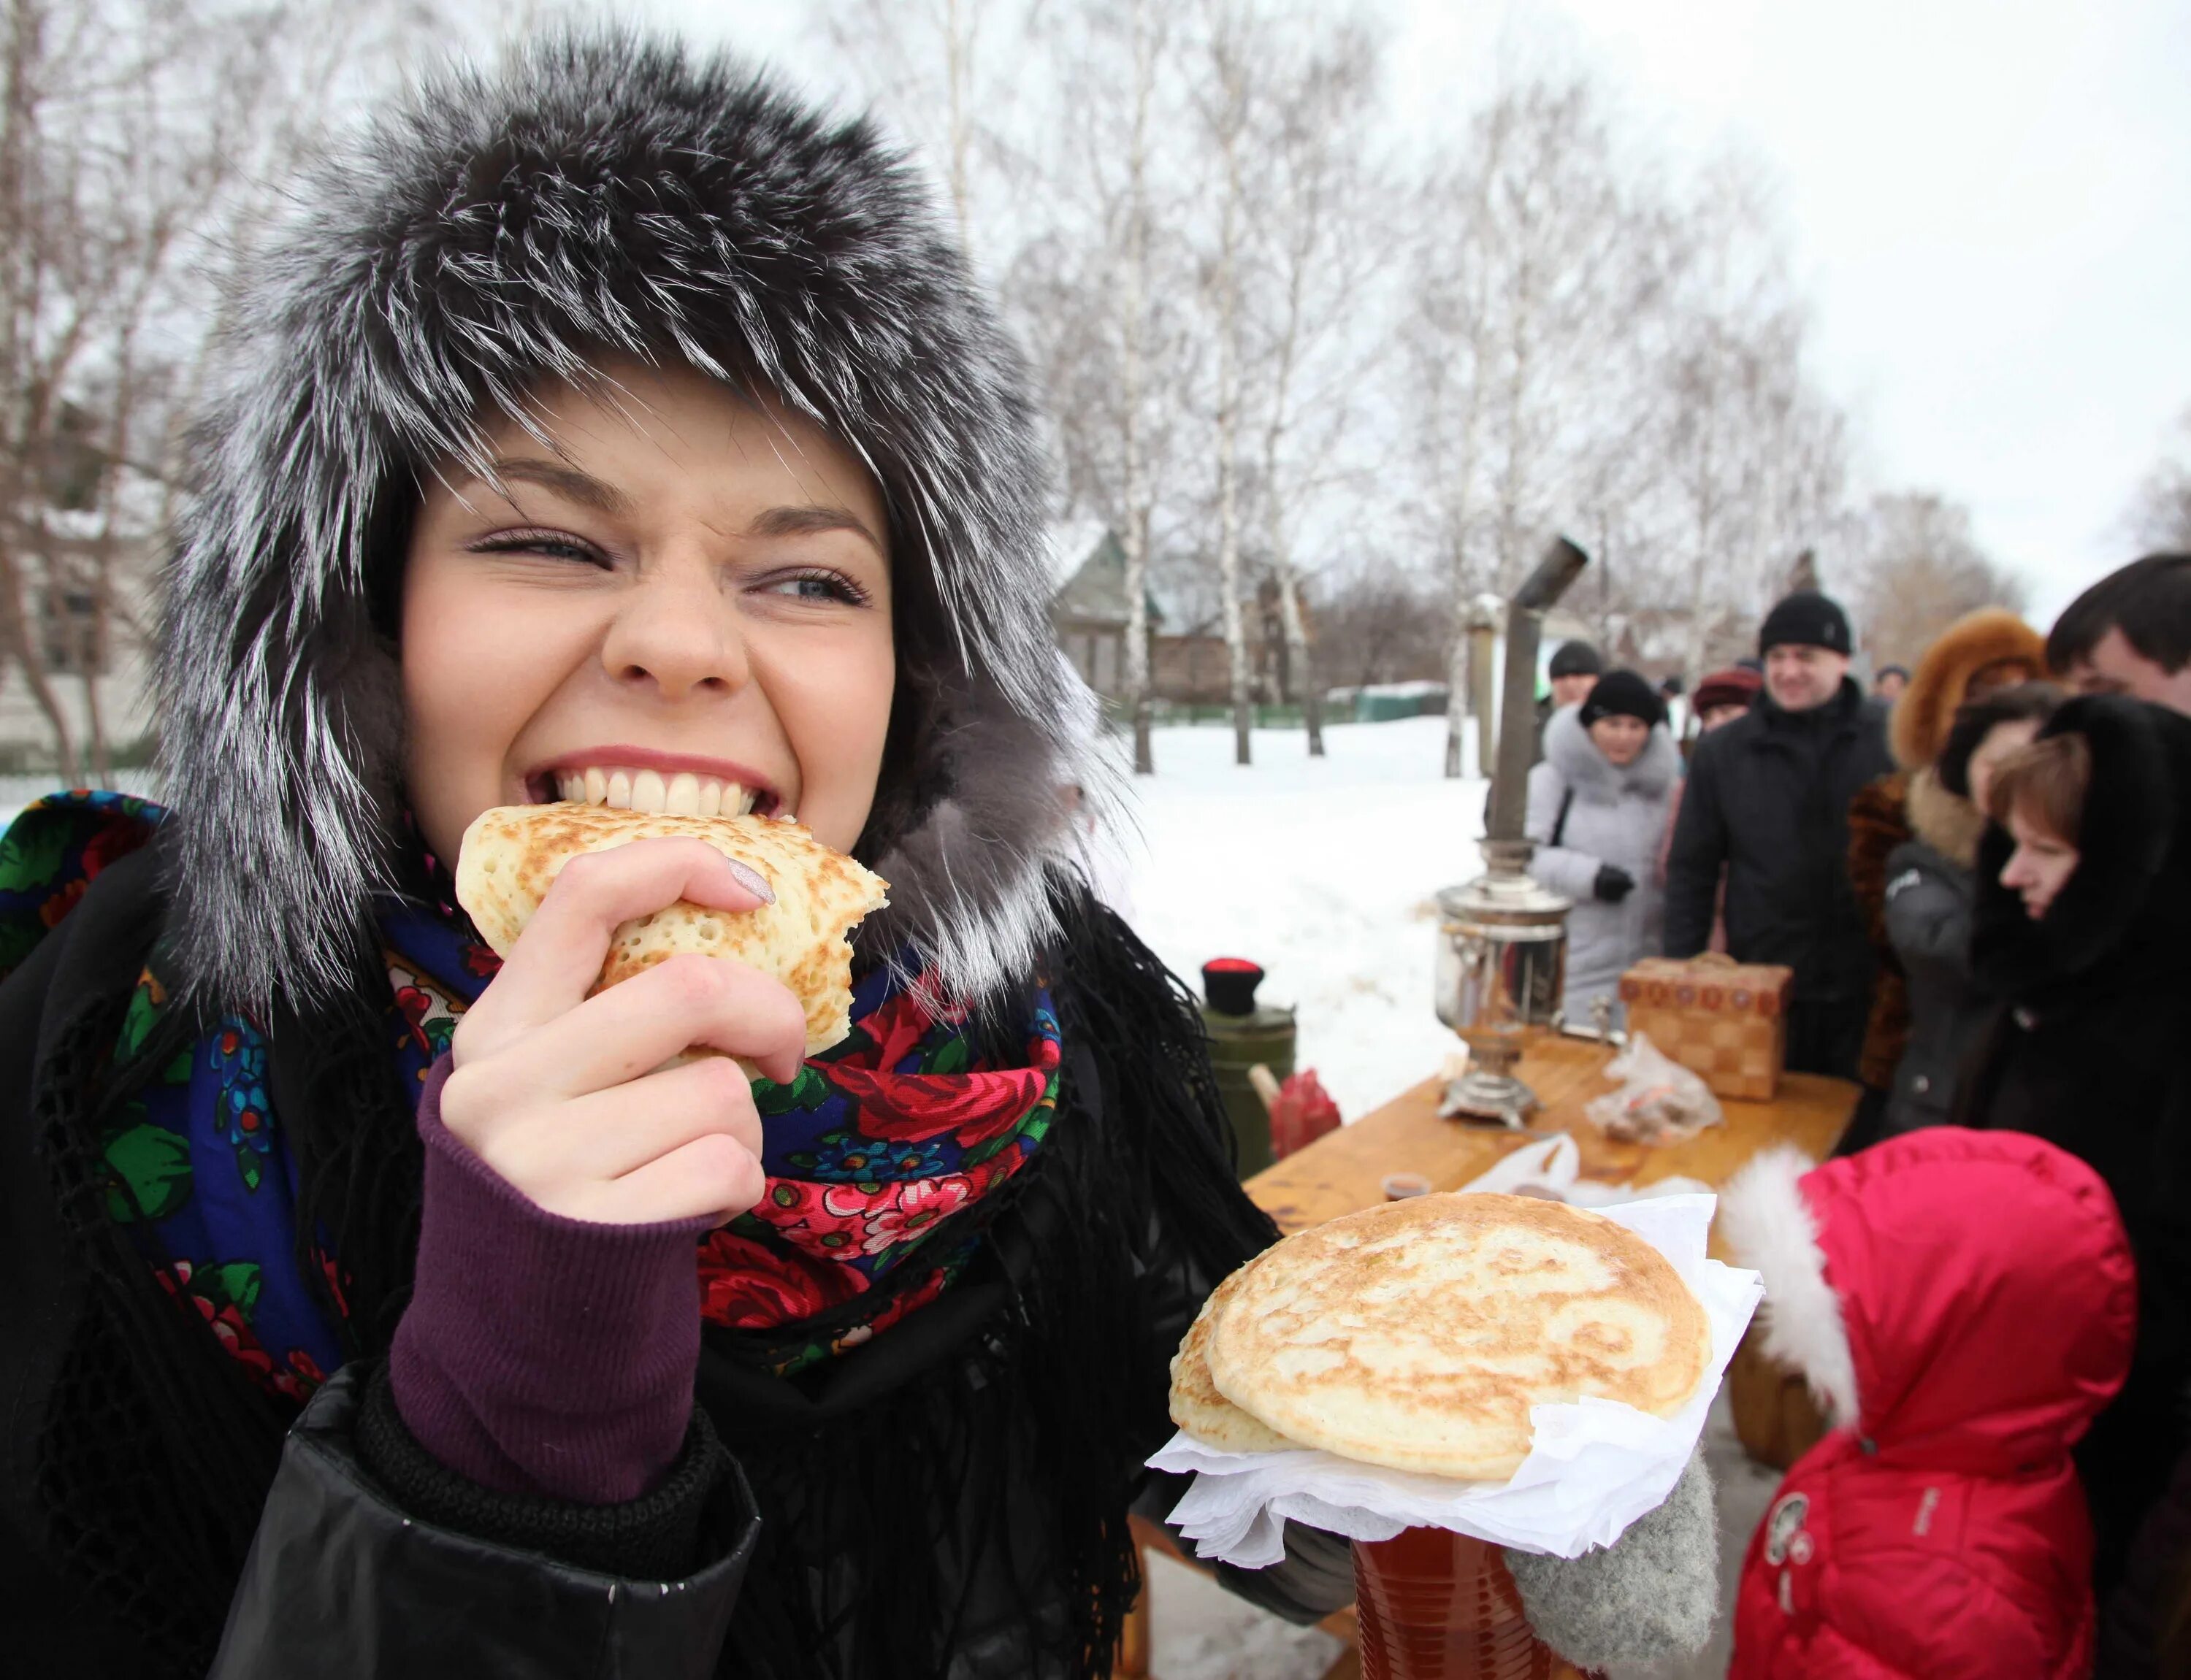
957,1488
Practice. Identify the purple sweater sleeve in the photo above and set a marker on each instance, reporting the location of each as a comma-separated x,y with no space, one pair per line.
541,1354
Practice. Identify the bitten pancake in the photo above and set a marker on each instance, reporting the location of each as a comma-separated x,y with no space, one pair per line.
1196,1406
1418,1334
512,853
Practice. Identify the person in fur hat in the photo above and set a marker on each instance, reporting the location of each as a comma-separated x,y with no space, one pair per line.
1930,889
1981,652
1597,808
2082,918
612,428
1938,1529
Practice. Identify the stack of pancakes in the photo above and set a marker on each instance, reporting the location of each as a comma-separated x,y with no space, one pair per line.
1418,1335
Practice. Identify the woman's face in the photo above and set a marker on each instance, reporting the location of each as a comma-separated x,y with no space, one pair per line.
1721,716
2040,865
1619,739
2001,740
683,604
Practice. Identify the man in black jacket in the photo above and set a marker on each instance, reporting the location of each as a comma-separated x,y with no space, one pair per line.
1768,803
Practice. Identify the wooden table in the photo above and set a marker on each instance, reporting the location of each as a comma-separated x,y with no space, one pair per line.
1346,1169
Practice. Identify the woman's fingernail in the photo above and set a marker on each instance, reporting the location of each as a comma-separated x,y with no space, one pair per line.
752,880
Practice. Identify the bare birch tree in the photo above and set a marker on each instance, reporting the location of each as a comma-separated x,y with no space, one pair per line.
1316,261
1222,102
141,144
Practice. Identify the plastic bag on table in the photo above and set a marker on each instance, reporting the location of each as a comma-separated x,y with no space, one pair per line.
1659,1101
1301,1110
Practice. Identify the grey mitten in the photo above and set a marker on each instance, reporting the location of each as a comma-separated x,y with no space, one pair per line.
1650,1595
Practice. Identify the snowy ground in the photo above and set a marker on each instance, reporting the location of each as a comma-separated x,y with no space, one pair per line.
1322,871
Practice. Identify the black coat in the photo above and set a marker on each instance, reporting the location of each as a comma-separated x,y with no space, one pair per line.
1928,921
1767,801
2090,1048
370,1558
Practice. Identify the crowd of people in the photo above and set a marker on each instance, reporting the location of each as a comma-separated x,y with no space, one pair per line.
1980,877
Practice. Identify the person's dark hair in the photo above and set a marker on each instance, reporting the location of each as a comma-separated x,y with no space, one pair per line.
1887,671
1576,658
2148,600
2046,781
1978,718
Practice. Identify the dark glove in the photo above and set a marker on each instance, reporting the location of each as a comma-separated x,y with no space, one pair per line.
1612,883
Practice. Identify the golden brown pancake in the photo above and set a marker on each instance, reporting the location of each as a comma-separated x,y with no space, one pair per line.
1196,1406
512,853
1418,1334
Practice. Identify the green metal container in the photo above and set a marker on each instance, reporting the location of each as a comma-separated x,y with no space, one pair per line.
1241,1034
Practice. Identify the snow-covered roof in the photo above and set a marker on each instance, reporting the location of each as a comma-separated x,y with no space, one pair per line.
1070,543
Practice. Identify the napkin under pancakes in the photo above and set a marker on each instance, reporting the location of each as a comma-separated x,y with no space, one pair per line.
512,853
1418,1334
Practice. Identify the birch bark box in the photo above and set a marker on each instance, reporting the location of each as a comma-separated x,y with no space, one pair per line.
1725,1020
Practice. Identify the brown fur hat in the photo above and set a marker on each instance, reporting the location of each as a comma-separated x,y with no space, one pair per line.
1926,710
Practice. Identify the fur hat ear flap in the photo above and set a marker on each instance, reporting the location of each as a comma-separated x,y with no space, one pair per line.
1769,1226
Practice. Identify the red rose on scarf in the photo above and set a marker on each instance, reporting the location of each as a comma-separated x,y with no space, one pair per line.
746,1286
914,1107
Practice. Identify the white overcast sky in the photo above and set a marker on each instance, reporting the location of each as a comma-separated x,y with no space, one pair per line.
1989,203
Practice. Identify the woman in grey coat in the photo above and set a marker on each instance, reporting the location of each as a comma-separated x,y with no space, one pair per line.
1931,889
1597,808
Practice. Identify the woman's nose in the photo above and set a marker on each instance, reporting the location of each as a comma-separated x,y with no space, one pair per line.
677,630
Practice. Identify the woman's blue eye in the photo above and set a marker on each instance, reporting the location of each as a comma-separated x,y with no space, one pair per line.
818,586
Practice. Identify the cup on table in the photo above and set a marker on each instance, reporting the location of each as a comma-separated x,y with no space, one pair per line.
1435,1605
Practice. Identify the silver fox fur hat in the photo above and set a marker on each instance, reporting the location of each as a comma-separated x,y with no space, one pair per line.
602,194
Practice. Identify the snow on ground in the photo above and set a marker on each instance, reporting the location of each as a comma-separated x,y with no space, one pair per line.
1321,869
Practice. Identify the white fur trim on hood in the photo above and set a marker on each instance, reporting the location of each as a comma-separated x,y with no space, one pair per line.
1769,1226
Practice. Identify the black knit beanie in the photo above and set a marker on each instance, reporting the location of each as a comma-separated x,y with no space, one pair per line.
1622,693
1805,619
1576,658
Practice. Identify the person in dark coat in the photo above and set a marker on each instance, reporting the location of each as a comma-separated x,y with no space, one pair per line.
2083,916
1930,887
1766,801
613,432
616,429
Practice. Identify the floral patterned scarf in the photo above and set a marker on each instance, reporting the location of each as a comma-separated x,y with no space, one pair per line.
877,1154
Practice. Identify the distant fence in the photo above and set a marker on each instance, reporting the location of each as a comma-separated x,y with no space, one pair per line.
1382,705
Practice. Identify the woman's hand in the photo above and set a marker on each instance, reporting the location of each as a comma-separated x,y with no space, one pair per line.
553,1089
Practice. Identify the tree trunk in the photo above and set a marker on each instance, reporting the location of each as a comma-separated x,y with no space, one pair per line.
1133,326
1456,699
20,637
1304,678
1228,416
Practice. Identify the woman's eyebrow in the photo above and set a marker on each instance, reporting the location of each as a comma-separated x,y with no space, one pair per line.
809,518
566,481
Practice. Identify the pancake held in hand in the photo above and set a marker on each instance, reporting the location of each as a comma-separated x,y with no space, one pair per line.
1418,1335
513,852
1196,1406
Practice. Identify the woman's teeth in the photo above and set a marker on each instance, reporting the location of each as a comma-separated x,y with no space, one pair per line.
679,794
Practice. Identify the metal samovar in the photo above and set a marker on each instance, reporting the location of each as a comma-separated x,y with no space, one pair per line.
1502,938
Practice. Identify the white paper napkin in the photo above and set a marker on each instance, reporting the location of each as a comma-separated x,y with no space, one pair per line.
1594,1466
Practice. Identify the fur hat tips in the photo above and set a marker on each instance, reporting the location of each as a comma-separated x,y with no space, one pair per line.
601,194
